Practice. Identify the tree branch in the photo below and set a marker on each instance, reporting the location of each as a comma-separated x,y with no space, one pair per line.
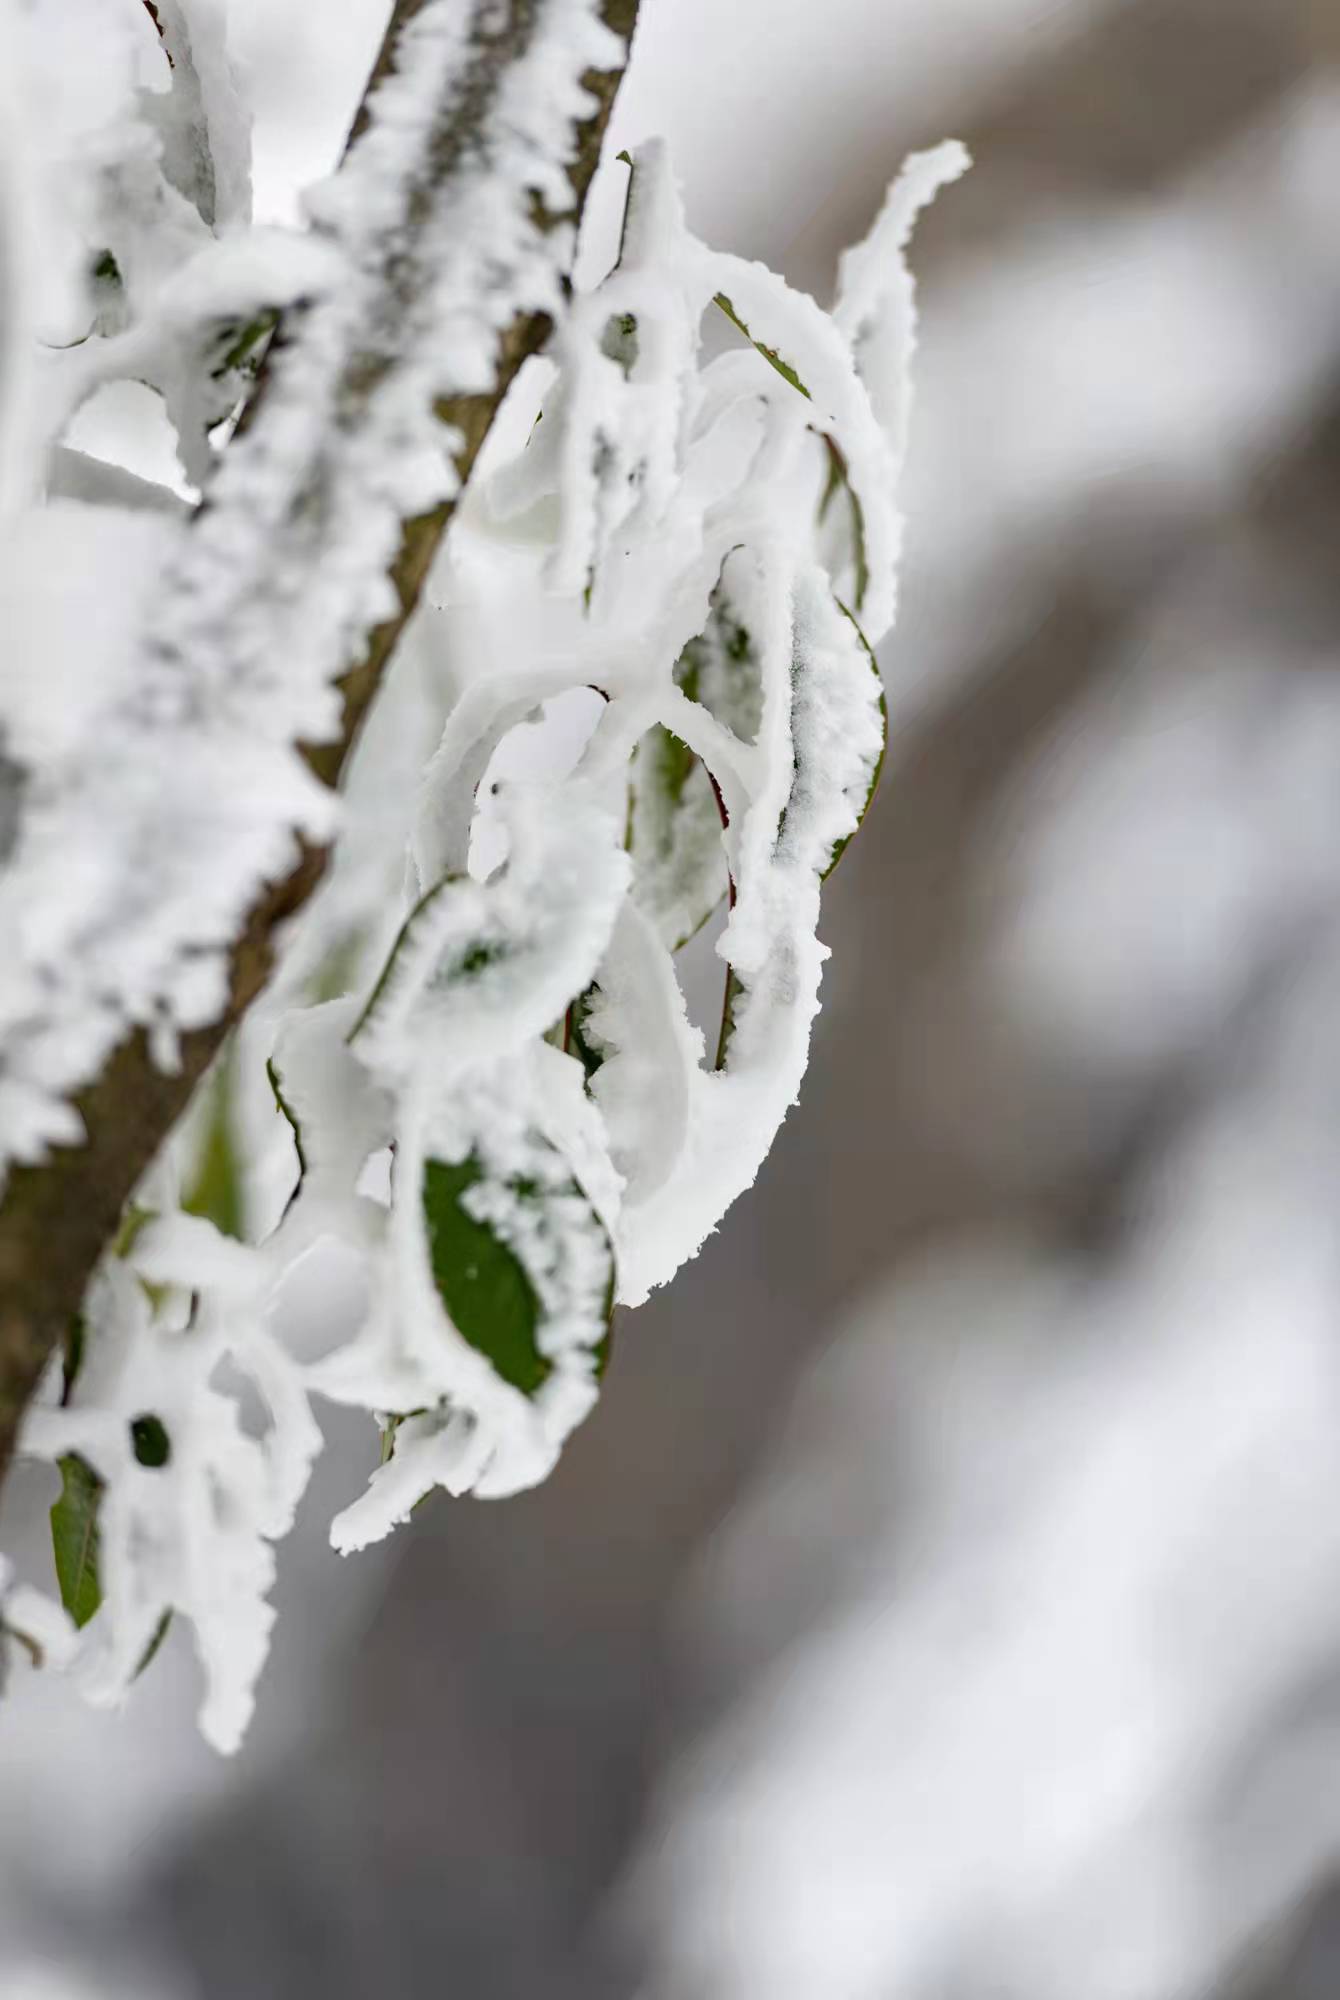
58,1217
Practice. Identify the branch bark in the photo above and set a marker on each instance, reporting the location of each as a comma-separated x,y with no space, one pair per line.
58,1217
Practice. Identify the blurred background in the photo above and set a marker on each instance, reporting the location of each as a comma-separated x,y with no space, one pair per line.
944,1601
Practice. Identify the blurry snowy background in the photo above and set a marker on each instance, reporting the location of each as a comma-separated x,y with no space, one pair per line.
944,1602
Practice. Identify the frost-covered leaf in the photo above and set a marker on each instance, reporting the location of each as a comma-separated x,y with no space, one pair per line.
836,404
203,126
576,1038
335,1110
876,300
874,769
850,539
823,724
675,810
502,1205
189,1501
42,1630
481,966
608,451
499,1247
482,1282
838,728
644,1055
674,837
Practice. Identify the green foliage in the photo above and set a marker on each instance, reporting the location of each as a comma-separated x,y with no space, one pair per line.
733,994
133,1220
244,347
576,1040
74,1538
285,1110
150,1653
215,1189
490,1295
484,1285
770,354
153,1447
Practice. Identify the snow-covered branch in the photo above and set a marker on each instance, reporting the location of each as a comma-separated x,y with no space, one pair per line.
502,1114
151,801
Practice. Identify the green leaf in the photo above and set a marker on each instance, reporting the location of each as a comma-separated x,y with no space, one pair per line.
735,989
153,1447
285,1109
74,1538
244,345
733,994
214,1190
576,1040
483,1269
483,1284
770,354
150,1653
133,1220
603,1350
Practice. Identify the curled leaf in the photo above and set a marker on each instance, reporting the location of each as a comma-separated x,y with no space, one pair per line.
675,814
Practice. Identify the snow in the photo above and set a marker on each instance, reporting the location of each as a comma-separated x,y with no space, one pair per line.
646,522
271,594
192,1535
